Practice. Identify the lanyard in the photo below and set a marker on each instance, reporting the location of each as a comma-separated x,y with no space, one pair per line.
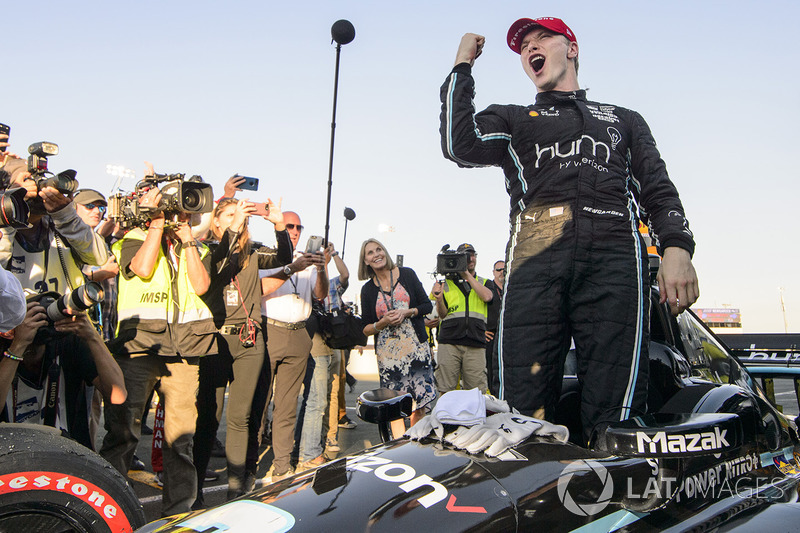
294,285
390,304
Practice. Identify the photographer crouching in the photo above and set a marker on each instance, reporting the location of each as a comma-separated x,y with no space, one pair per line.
163,329
48,362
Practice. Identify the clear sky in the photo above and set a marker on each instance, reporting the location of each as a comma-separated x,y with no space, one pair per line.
215,88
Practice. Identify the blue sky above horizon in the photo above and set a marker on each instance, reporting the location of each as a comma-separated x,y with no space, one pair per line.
215,88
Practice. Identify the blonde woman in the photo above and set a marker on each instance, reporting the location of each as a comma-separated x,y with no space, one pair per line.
234,298
393,306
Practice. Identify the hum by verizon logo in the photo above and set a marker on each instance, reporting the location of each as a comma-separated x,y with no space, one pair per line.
571,149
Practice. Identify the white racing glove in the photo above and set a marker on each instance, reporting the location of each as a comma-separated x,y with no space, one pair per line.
496,406
504,430
479,437
453,435
516,428
421,429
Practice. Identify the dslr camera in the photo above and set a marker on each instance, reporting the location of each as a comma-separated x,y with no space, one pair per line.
64,181
451,262
178,195
13,209
55,305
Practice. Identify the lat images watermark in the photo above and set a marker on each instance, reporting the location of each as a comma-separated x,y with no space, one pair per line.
585,509
725,479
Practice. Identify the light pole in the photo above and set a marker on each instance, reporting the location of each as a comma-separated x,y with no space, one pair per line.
120,172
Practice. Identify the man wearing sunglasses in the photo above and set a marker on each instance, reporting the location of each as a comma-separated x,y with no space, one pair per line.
91,207
286,305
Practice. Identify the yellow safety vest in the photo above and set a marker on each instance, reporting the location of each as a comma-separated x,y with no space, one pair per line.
162,315
466,316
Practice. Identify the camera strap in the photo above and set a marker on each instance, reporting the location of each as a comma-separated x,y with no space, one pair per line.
50,406
60,246
49,400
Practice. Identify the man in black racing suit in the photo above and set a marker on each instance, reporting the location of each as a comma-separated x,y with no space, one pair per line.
580,175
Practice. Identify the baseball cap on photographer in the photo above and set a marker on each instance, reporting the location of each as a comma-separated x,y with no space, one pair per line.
520,28
88,196
466,247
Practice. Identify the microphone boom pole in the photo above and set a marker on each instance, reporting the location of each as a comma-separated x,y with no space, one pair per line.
342,32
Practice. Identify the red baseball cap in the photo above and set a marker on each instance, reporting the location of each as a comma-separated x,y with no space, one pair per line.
521,27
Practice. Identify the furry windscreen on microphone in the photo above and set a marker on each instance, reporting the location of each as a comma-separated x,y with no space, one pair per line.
343,31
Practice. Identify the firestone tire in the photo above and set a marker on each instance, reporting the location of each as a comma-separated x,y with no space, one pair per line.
49,483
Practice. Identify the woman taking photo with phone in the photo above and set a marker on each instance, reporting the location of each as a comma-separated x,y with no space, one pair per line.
393,306
234,298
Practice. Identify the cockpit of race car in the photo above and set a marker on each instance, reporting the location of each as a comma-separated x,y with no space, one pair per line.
714,451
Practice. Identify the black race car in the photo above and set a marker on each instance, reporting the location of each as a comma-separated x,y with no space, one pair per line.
714,452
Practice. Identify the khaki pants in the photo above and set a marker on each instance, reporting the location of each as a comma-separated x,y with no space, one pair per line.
178,389
465,361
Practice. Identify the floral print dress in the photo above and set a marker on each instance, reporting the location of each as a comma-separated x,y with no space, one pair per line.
404,363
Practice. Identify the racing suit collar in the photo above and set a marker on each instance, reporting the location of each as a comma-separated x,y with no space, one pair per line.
554,97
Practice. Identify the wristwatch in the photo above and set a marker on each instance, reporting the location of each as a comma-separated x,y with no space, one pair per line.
288,271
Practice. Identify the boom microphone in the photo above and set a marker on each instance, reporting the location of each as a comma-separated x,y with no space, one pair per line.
343,31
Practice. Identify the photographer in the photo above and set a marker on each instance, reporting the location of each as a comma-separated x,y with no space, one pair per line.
164,328
48,255
461,302
91,207
46,368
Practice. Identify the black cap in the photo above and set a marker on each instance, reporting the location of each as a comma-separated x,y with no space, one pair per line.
466,247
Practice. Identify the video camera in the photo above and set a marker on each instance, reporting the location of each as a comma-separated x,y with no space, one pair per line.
178,195
80,299
451,262
64,181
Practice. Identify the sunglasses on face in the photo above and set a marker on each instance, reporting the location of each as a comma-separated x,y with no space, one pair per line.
498,269
101,207
292,226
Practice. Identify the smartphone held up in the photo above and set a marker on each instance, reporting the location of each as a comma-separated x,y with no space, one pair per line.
314,244
249,184
262,209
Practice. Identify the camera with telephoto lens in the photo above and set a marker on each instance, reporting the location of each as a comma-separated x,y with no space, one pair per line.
64,182
451,262
13,209
55,305
178,195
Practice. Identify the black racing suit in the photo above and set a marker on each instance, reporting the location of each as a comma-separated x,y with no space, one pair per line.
580,176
